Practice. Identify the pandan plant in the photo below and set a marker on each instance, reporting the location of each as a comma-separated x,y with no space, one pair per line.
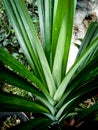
58,91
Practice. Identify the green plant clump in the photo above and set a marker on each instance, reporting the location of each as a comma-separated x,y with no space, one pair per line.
58,91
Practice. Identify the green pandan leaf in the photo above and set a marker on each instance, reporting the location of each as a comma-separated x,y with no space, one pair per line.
16,103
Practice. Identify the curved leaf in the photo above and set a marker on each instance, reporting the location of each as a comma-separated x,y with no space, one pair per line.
83,115
57,65
59,13
12,78
41,13
16,103
91,34
87,90
62,33
22,24
90,50
10,61
89,72
46,21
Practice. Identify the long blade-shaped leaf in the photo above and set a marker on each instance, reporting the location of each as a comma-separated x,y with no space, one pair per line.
63,41
89,89
59,12
48,29
24,34
12,78
41,10
85,113
57,66
70,11
87,74
17,103
84,89
61,110
42,58
46,21
63,86
34,47
91,34
10,61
